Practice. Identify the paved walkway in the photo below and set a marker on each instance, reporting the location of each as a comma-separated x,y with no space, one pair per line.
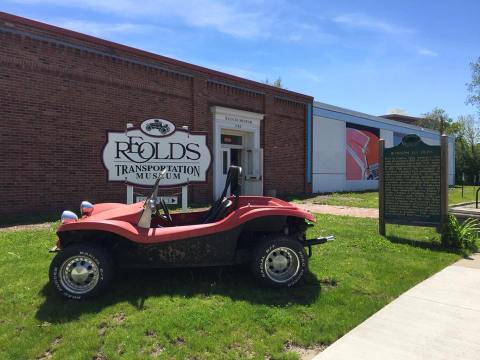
437,319
339,210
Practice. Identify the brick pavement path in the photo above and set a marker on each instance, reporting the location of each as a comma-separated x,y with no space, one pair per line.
339,210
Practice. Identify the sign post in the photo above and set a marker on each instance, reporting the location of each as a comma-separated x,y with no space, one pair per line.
444,178
130,199
413,183
185,190
381,188
184,198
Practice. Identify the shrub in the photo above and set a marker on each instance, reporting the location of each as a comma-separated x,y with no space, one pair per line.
462,236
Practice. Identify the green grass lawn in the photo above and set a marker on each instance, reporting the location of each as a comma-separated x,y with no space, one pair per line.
213,313
455,194
369,199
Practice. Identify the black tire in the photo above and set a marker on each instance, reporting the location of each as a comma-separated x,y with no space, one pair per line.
290,253
89,259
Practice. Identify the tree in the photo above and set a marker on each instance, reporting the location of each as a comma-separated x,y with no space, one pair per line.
470,130
467,138
474,86
467,147
277,83
439,120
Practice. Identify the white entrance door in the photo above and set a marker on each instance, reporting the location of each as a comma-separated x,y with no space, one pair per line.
251,161
236,141
252,171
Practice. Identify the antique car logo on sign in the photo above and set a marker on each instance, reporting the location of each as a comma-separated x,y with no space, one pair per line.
136,156
157,127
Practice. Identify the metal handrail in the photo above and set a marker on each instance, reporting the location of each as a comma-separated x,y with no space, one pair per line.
476,198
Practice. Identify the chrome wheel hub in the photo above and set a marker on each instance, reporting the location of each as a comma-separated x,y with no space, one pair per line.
282,264
79,274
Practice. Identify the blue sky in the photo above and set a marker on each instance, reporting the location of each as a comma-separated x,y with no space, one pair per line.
368,56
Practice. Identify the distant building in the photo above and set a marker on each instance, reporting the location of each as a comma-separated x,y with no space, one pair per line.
345,146
406,119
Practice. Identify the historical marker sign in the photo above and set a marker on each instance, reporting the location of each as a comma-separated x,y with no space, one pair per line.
413,183
136,156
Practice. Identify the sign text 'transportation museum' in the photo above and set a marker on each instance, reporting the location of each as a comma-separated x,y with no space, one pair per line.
136,156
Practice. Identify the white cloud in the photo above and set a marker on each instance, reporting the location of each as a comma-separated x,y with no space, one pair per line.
99,28
427,52
362,21
299,32
225,17
249,71
305,74
244,19
244,71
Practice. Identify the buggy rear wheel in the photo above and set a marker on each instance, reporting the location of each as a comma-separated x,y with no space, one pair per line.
279,261
80,271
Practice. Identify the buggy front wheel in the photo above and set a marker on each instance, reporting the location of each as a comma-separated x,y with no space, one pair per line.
81,270
279,261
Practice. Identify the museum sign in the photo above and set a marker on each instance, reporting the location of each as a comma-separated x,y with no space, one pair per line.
136,156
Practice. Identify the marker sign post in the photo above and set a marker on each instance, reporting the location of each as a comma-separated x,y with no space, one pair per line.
413,183
136,156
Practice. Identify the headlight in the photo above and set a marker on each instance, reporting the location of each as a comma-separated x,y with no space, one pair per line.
86,208
68,217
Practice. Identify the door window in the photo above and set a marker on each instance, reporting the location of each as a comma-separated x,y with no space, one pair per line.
236,157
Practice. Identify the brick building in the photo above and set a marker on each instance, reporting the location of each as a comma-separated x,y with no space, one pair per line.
61,90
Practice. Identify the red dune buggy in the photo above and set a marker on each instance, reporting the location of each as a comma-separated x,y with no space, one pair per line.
266,232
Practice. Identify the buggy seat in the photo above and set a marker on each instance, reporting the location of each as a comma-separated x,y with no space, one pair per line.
223,206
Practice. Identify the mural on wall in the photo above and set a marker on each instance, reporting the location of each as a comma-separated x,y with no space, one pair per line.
362,152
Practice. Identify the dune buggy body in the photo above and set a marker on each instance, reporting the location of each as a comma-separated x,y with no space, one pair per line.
236,229
185,241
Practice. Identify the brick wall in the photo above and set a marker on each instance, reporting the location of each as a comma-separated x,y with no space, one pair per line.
60,91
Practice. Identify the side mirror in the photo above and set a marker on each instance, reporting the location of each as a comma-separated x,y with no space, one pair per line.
151,203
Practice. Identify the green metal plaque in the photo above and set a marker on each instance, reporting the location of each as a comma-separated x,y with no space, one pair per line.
412,177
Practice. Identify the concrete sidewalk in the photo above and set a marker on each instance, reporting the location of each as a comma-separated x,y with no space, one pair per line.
437,319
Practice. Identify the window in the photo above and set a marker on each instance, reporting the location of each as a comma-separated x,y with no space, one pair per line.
232,139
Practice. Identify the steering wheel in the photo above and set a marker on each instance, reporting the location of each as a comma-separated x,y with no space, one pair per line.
166,213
